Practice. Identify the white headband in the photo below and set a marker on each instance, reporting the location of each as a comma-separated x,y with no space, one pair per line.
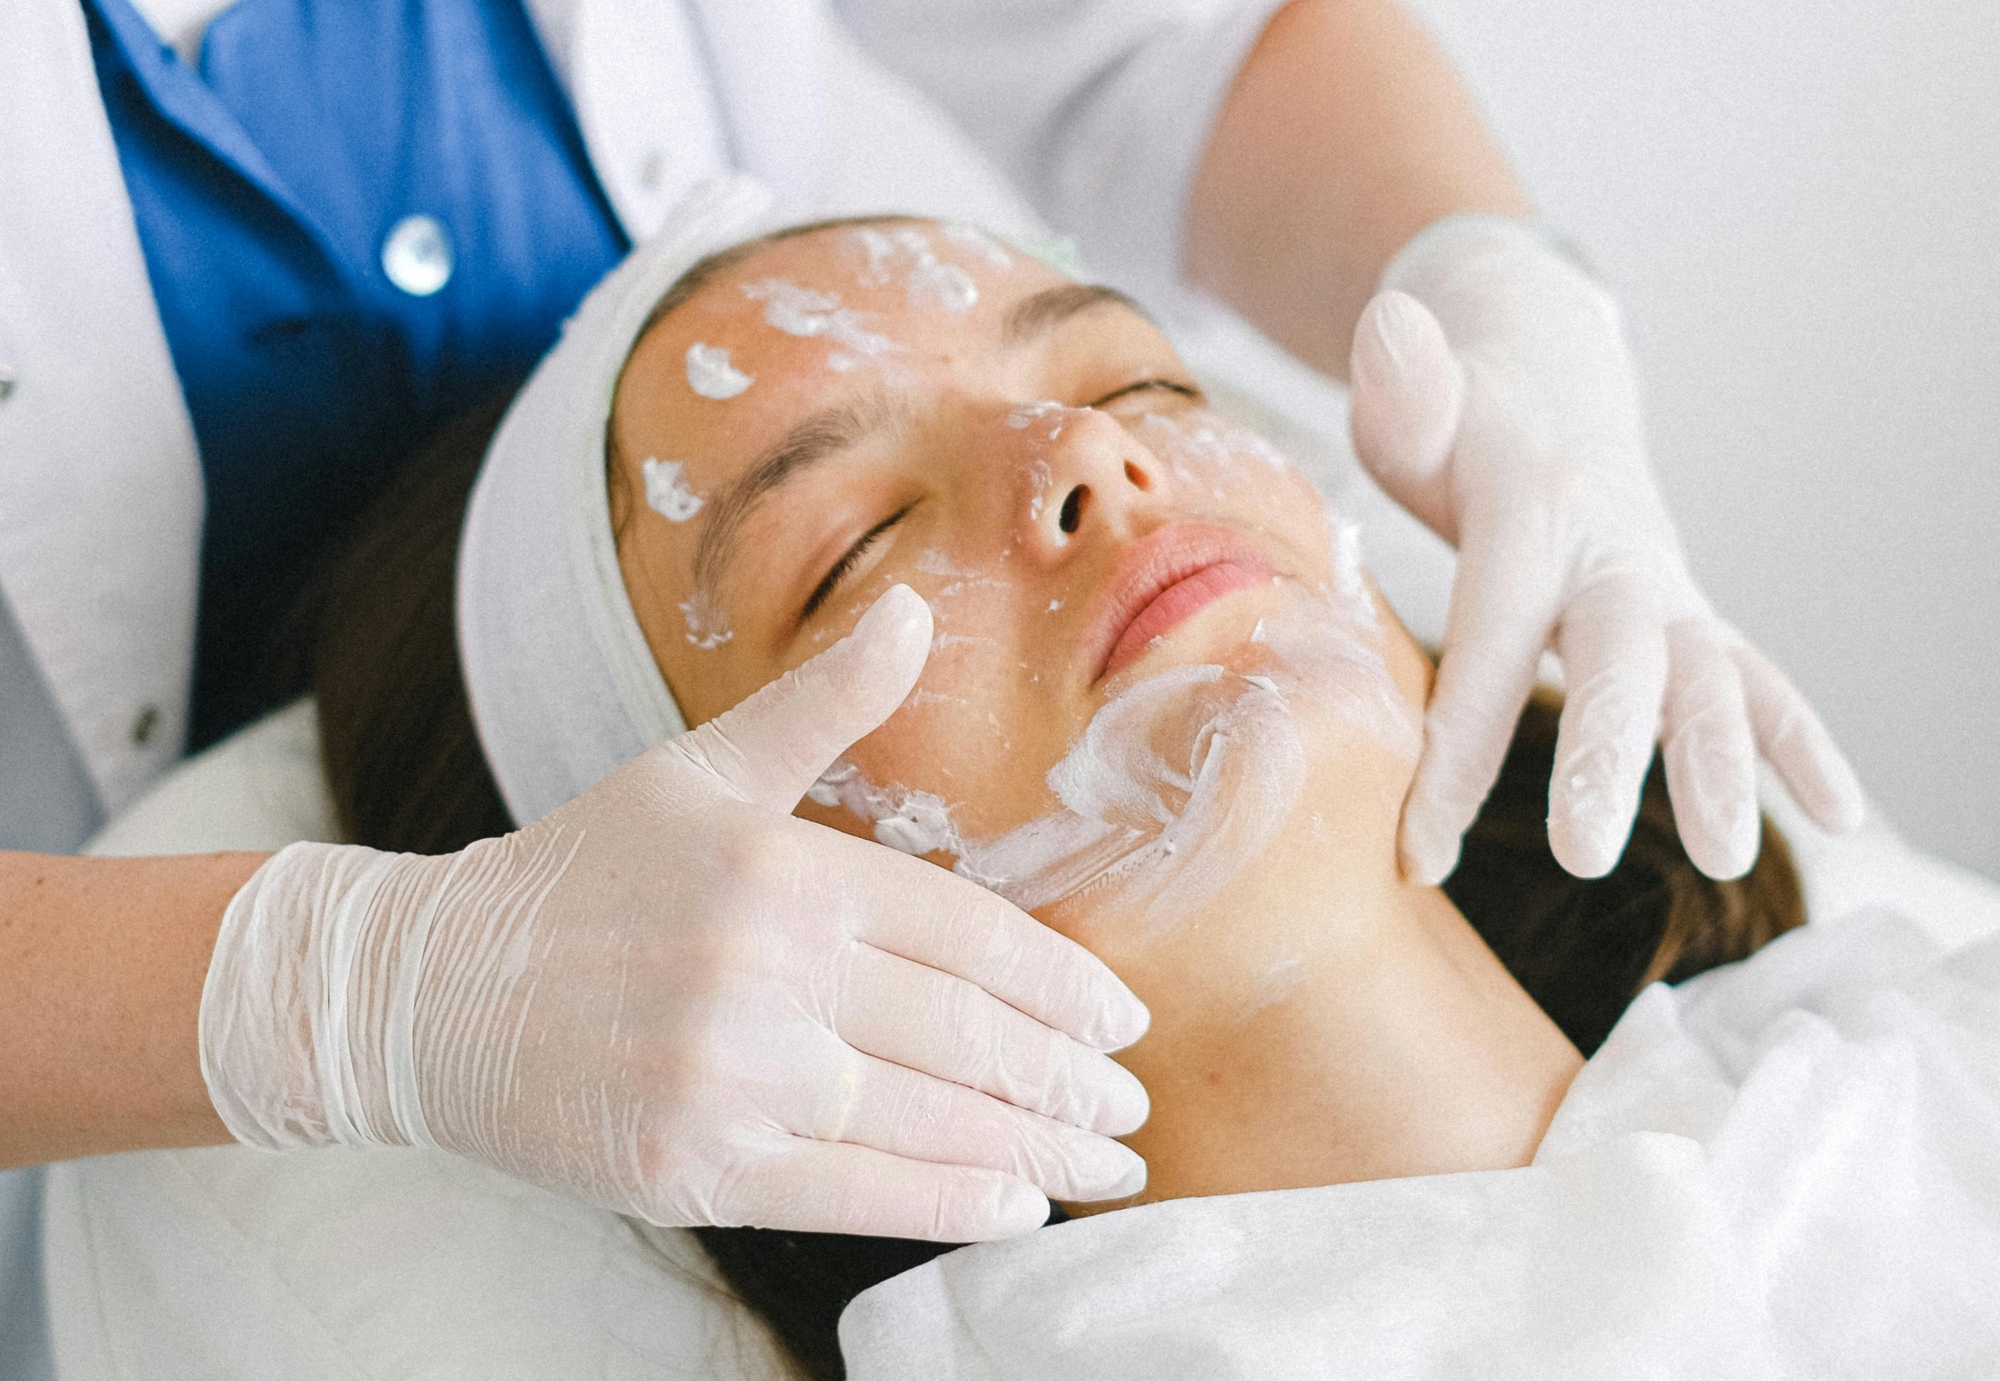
563,686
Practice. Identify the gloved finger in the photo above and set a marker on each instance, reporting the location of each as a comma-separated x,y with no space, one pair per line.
875,1103
1495,631
1792,740
803,1185
936,918
775,744
1711,762
1408,397
922,1019
1614,653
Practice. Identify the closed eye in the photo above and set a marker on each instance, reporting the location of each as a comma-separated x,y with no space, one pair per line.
844,567
1188,391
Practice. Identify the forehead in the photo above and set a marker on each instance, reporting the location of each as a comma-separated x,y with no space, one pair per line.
903,278
794,323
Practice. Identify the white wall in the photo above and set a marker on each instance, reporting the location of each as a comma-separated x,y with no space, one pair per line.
1799,203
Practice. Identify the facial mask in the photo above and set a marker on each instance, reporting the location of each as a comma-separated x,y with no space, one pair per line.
667,494
710,374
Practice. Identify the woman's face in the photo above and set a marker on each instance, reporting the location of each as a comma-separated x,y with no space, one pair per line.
900,402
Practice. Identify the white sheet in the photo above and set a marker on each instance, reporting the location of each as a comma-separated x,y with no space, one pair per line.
1786,1168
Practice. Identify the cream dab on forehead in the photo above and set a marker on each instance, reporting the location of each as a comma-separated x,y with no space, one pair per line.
927,280
804,313
710,373
667,494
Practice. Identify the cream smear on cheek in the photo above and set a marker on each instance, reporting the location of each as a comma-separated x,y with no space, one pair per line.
958,580
1178,782
1182,778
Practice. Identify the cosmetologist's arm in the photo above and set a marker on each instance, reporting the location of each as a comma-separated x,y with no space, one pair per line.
102,962
1345,133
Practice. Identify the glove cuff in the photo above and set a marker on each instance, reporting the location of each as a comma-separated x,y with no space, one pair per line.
1451,238
300,1011
1505,292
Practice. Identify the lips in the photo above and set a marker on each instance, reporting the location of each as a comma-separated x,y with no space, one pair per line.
1160,582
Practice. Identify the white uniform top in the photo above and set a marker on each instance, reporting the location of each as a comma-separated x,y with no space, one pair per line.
1097,110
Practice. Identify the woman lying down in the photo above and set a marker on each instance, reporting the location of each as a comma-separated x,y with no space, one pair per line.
1165,710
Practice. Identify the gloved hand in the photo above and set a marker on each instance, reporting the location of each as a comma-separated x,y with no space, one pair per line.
675,999
1494,398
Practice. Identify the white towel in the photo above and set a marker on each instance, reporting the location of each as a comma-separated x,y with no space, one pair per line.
562,684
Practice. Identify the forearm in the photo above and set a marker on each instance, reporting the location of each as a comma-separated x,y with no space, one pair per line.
101,969
1345,133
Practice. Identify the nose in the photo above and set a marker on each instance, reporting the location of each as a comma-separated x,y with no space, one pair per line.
1081,472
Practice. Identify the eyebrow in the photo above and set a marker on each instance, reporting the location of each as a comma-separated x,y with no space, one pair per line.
818,438
1039,313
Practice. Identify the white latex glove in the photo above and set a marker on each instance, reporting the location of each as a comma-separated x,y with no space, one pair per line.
1494,398
673,998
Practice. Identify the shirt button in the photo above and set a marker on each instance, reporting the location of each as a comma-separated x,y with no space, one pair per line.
145,724
653,171
417,256
6,382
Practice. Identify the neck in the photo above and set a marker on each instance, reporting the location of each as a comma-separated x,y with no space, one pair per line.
1325,1021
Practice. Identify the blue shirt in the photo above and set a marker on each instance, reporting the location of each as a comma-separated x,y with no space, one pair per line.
360,218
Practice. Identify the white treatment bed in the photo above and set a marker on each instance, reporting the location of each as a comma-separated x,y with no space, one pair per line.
1677,1222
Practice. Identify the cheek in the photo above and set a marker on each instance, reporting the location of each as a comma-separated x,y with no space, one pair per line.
1410,667
978,733
1215,468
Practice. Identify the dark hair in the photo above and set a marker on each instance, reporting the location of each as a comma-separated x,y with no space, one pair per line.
406,772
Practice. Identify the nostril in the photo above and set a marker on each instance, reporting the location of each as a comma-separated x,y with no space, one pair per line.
1139,478
1071,516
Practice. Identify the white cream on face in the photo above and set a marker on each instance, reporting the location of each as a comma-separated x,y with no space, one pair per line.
1049,418
1024,415
707,623
710,374
927,280
915,822
1184,777
1040,480
667,494
802,312
1179,782
973,240
1350,587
